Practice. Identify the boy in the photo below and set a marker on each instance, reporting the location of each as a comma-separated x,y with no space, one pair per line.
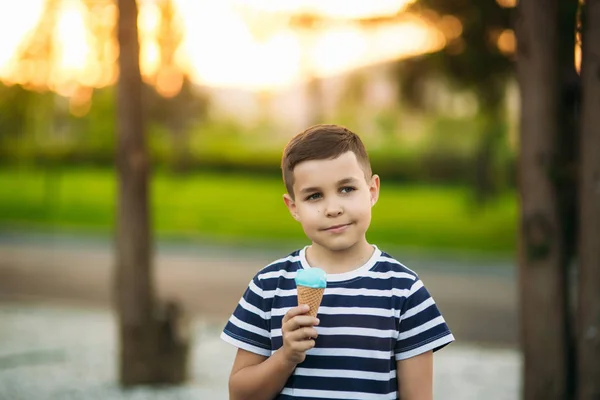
377,326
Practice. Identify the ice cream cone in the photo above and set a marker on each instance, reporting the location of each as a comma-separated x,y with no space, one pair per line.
311,285
312,297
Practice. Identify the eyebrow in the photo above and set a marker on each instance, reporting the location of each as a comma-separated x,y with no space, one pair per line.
341,182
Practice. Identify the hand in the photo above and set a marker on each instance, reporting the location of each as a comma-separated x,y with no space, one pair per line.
298,333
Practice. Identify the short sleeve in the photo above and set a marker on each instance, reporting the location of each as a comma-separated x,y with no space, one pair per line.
422,327
248,327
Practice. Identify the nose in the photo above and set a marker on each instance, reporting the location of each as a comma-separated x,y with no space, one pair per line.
333,209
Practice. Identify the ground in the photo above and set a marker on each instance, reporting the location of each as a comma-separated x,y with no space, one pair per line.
57,332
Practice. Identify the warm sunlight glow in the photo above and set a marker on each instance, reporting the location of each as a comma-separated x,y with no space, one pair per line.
507,43
507,3
14,25
450,26
71,40
332,8
578,58
246,44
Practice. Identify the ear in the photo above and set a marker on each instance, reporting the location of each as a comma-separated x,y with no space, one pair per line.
291,205
374,189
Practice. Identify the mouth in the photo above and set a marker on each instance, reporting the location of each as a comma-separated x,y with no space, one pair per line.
337,228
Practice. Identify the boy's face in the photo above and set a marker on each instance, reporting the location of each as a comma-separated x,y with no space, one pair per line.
333,201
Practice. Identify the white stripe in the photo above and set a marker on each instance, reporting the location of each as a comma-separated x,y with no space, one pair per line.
368,292
343,330
269,294
328,394
347,352
278,274
417,309
370,332
426,347
273,274
282,260
379,312
369,274
254,310
346,373
257,291
248,327
246,346
415,287
281,311
394,261
421,328
389,274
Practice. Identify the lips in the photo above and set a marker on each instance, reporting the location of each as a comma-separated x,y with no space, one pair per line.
337,228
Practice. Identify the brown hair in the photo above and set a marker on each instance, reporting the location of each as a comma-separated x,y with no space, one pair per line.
321,142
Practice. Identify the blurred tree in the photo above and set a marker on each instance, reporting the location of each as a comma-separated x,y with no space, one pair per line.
174,101
33,66
154,348
477,57
15,102
101,24
308,24
34,59
547,160
589,211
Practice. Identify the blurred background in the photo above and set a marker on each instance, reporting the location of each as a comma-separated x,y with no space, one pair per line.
429,85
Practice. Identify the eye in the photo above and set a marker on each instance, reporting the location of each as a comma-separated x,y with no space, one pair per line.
347,189
313,196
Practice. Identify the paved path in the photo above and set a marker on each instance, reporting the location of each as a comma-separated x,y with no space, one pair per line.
478,301
57,333
62,353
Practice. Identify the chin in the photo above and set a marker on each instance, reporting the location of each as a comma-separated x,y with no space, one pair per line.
336,246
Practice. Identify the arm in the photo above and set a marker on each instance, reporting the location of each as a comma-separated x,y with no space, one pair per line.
415,377
258,377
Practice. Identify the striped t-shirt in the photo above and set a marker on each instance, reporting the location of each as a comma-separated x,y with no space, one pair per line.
369,318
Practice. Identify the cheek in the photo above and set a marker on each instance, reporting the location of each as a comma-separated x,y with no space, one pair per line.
309,212
360,205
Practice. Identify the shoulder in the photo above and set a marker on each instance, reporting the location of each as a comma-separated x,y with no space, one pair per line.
387,266
282,268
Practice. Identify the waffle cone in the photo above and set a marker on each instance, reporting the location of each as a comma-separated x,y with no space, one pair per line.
312,297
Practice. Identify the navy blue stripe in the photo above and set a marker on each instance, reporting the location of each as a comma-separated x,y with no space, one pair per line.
362,283
247,337
353,342
250,318
333,300
425,337
347,362
340,320
345,384
354,321
415,321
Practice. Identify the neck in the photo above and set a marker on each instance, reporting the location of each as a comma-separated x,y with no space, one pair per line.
337,262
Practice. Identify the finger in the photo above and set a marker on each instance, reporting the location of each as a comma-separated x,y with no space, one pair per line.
300,321
294,311
302,334
303,345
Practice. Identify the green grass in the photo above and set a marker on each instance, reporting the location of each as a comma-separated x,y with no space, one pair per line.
237,209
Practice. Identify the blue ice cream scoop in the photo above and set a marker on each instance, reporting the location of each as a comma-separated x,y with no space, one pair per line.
314,278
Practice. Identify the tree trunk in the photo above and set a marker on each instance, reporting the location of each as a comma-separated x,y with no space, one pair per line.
152,347
565,174
543,291
589,212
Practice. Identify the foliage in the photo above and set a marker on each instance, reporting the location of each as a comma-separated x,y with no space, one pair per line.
472,60
244,208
